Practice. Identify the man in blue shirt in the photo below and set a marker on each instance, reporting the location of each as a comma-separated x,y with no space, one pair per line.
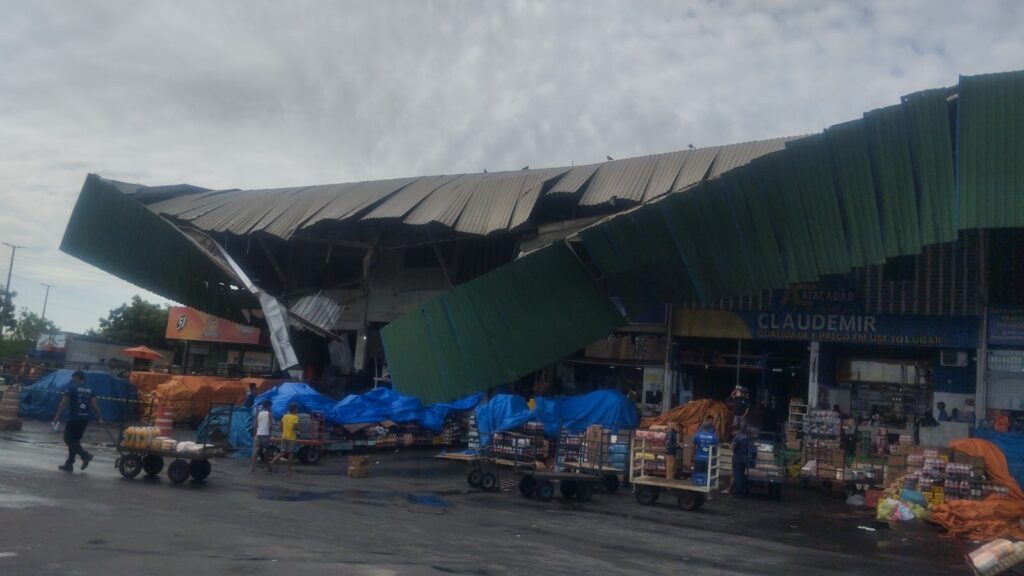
702,443
742,453
81,404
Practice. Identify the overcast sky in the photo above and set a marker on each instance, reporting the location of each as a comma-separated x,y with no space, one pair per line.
257,94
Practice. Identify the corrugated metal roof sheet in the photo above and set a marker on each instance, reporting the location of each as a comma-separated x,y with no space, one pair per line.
734,155
620,180
401,203
318,310
484,332
990,150
665,174
445,204
572,182
695,168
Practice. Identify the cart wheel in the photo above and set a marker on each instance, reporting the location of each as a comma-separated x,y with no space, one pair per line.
130,465
310,454
611,483
584,491
826,487
545,490
647,495
200,470
690,501
474,477
152,464
488,482
527,486
178,471
567,488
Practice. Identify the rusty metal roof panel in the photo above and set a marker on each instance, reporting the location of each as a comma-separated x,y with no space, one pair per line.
620,179
734,155
695,168
401,203
574,180
665,174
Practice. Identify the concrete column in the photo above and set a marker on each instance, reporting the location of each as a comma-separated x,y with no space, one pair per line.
981,374
812,376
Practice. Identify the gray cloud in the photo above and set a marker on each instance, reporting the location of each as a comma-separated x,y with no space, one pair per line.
259,94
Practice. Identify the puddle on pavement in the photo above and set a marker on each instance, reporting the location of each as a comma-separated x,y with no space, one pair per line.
285,495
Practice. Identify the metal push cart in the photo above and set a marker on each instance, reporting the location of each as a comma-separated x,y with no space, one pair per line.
311,445
648,488
583,463
133,459
512,450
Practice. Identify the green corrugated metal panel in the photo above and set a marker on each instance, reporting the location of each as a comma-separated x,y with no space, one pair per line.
499,326
114,232
679,213
851,168
931,148
750,203
811,170
722,239
889,150
990,150
787,211
635,255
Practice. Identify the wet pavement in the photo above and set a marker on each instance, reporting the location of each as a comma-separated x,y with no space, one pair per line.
413,515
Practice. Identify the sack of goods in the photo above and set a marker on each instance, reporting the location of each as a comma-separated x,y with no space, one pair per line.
358,466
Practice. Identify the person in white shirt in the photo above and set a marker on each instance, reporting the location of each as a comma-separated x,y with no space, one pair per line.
261,437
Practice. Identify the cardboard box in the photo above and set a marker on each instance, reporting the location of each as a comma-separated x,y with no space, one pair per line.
358,472
358,462
897,459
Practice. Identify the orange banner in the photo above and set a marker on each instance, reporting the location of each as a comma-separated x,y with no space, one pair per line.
187,324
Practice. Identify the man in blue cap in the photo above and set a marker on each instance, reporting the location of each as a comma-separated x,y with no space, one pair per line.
81,405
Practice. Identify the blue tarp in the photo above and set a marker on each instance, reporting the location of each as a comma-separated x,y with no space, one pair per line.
116,396
240,432
381,404
609,408
1012,445
503,412
282,395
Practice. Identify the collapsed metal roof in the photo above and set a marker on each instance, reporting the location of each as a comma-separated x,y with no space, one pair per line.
472,204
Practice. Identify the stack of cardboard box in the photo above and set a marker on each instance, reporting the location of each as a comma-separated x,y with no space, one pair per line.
11,398
358,466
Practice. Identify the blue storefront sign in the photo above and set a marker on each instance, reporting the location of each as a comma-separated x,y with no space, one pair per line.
1006,328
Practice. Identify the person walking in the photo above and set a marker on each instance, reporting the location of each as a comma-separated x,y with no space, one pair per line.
289,434
81,405
261,433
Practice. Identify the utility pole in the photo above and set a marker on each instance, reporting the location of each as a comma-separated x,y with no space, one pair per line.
47,297
7,287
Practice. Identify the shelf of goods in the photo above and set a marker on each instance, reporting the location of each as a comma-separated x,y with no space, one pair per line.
942,476
822,433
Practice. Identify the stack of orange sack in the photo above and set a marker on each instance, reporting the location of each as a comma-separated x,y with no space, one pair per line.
190,397
994,517
691,415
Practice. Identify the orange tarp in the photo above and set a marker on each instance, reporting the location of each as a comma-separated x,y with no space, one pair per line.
190,397
146,382
691,415
994,517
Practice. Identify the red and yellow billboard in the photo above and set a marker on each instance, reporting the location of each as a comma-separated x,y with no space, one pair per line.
187,324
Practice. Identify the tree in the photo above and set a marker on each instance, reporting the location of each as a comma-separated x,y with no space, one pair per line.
137,322
7,320
27,330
